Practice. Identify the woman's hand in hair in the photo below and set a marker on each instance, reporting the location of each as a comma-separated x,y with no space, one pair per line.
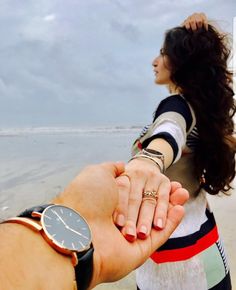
196,21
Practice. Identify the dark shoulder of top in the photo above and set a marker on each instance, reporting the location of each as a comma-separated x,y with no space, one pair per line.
175,103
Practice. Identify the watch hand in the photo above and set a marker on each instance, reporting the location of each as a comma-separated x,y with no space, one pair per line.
78,233
60,218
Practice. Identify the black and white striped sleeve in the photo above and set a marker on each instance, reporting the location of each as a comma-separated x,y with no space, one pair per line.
173,119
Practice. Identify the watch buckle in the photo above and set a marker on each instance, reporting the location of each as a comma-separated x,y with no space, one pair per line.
36,214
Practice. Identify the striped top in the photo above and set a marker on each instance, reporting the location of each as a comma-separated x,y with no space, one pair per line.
174,121
185,261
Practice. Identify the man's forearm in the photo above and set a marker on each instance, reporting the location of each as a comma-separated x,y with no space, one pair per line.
28,262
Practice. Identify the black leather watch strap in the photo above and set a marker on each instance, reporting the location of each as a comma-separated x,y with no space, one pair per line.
39,208
84,269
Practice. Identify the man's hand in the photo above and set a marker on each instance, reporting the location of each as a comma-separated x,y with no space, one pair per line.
94,193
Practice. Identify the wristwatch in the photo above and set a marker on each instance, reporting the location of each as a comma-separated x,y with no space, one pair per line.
67,232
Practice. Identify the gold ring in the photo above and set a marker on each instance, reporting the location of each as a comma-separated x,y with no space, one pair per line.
150,194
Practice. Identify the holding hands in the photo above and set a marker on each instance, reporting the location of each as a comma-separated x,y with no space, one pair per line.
96,199
135,208
145,197
94,194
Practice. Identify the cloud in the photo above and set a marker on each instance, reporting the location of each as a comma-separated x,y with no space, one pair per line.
128,30
63,59
49,17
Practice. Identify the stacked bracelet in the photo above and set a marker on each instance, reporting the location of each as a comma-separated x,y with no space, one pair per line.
152,155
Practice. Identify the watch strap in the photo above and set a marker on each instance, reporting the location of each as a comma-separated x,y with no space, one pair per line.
30,223
28,212
84,269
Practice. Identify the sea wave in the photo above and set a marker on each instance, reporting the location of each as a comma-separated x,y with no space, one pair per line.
69,130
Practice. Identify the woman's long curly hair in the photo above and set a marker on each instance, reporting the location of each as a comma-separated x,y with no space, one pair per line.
198,65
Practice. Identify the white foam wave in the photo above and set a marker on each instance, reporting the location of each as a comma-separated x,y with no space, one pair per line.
68,130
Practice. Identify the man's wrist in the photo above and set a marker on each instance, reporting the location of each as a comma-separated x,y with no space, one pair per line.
32,257
63,201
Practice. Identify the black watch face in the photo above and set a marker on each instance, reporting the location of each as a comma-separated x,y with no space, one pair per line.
66,227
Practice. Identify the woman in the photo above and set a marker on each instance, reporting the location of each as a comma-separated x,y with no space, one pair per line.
192,137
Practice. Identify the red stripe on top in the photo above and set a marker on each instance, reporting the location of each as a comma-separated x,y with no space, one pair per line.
140,146
188,252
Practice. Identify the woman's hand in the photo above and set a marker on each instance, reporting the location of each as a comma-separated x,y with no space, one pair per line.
136,214
196,21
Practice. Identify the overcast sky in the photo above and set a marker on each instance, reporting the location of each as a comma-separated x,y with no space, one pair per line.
87,62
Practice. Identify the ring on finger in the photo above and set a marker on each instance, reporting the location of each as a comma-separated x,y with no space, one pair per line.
150,194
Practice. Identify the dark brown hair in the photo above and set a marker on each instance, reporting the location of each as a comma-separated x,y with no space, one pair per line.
198,64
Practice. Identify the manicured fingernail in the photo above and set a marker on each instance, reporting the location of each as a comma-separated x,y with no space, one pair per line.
143,229
130,234
159,224
142,234
130,238
130,231
120,220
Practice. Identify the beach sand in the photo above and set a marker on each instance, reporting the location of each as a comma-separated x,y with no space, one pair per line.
35,168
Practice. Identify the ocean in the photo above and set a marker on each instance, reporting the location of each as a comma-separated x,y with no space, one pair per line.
37,163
